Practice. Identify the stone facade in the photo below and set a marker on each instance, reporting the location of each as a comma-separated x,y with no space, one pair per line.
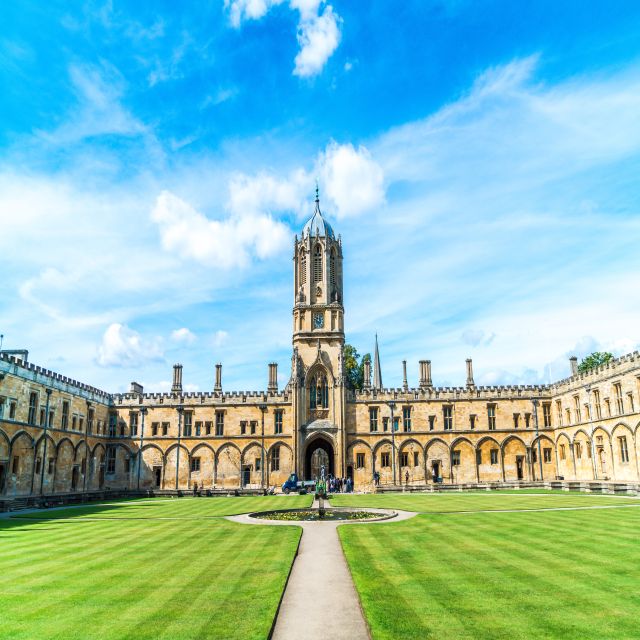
582,428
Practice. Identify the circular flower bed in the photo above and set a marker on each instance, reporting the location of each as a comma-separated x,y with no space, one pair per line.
307,515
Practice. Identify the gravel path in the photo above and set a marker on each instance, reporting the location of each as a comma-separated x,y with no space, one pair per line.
320,600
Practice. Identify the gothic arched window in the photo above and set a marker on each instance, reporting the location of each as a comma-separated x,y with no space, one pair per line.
317,264
318,392
303,267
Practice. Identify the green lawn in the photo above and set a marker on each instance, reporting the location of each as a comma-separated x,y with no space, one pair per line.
479,501
181,508
554,574
133,574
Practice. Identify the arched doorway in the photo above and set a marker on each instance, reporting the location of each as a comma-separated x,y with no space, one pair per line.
318,452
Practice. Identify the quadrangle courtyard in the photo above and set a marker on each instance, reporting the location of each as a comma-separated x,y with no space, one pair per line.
469,565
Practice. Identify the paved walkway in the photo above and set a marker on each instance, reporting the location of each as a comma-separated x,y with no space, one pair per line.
320,600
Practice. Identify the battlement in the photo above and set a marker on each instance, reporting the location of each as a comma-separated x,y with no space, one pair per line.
610,368
453,393
202,397
17,366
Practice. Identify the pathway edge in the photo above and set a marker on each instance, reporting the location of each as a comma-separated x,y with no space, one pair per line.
286,584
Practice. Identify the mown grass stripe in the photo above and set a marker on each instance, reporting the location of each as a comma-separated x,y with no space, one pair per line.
499,575
189,578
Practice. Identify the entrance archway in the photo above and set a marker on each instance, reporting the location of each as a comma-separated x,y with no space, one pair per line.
318,452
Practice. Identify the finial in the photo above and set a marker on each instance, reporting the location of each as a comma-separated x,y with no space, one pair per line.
317,192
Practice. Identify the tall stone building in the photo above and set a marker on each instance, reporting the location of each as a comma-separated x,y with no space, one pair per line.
59,435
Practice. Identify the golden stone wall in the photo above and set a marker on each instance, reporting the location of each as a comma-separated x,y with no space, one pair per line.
231,460
71,455
592,444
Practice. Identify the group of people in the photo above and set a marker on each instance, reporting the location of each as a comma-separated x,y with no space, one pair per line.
339,485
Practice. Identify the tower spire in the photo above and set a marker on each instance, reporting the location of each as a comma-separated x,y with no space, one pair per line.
377,371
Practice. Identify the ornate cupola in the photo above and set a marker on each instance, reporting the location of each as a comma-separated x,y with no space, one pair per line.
317,261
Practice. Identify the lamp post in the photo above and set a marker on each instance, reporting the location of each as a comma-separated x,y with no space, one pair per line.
263,408
179,409
44,454
392,406
86,446
143,412
535,422
592,445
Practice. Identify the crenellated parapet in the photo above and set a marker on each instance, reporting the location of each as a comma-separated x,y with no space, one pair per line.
490,392
209,398
12,365
614,367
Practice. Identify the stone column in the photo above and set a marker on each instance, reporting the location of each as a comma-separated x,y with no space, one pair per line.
405,384
367,375
470,382
177,379
218,386
273,378
573,361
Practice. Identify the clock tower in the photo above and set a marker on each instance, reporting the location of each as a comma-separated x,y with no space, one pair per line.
318,340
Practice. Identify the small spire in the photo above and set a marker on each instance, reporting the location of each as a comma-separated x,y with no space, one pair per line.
317,192
377,370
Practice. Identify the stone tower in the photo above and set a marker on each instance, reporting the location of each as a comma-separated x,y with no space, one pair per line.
317,378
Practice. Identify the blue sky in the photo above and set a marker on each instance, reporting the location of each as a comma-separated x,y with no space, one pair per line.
480,160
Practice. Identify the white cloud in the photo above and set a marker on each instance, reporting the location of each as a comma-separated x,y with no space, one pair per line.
220,338
318,37
183,335
124,347
318,30
224,244
99,112
510,125
352,179
477,337
251,195
241,10
221,96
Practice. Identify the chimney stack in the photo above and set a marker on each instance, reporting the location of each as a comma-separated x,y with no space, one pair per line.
425,373
470,382
218,386
366,383
405,384
422,370
177,379
136,388
273,378
573,361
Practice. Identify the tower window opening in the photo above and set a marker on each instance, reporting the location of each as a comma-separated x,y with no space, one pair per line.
332,268
303,267
317,264
318,393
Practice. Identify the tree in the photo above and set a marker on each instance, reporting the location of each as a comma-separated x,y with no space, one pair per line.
594,360
354,366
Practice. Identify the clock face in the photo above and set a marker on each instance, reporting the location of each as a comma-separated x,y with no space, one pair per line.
318,320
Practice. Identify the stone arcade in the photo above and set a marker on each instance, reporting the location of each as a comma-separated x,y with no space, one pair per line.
59,436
